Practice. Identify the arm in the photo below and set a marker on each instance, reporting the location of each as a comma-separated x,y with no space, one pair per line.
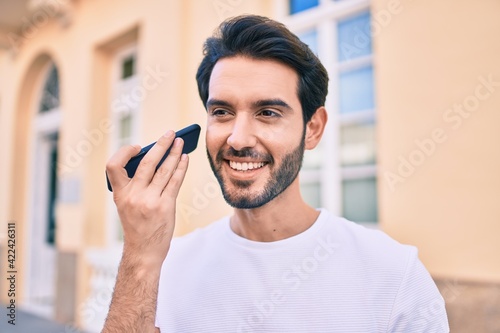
146,206
418,307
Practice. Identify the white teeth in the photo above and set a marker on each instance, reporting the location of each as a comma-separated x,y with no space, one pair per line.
245,165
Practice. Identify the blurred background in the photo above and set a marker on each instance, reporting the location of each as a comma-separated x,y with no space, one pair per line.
411,146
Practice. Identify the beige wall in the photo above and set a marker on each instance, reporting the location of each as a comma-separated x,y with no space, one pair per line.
431,56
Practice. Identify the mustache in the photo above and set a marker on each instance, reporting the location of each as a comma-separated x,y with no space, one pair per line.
245,152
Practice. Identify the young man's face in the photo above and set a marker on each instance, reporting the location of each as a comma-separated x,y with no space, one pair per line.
255,129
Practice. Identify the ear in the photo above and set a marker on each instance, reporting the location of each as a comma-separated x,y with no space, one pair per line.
315,128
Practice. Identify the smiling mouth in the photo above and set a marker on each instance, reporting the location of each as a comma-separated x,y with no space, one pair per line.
245,166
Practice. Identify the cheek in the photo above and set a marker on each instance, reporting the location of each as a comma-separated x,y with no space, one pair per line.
281,140
214,138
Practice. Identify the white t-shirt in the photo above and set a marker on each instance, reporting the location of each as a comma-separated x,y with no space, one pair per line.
336,276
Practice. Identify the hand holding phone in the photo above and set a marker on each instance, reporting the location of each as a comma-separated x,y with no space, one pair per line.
190,136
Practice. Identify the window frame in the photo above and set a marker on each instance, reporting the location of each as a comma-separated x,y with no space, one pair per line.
120,86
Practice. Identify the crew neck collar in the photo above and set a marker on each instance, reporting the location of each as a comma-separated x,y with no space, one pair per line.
312,230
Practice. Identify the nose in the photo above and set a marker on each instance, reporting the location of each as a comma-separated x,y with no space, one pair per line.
242,134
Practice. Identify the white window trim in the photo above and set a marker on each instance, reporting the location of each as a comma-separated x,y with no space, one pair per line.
120,86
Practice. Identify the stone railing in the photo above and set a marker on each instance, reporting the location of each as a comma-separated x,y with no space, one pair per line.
104,267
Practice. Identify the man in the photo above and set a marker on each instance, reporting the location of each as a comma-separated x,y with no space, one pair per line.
277,264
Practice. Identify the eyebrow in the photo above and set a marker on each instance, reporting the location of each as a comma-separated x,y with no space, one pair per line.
271,102
217,102
256,104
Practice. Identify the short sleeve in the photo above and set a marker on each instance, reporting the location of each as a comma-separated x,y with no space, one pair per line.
418,307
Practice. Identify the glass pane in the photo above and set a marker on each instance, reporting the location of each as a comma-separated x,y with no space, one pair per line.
359,202
354,38
125,126
128,67
301,5
313,158
50,93
51,225
356,90
311,39
357,144
311,192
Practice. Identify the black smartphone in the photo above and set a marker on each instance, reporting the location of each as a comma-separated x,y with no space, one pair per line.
190,136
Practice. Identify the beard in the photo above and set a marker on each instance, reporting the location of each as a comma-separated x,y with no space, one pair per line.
281,176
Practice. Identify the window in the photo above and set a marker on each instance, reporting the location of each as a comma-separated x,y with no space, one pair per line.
340,174
125,104
48,110
128,67
51,216
311,39
42,219
354,38
297,6
125,110
50,93
360,199
356,90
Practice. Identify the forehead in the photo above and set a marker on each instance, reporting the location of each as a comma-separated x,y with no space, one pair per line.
246,78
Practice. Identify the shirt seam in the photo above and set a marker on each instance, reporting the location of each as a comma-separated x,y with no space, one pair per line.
409,260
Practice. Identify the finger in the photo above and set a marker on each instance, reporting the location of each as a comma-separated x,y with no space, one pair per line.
147,167
174,184
165,171
115,167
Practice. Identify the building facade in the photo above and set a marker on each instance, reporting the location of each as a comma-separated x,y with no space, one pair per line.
410,147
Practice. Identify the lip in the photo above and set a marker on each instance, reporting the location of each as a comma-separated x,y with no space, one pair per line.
243,175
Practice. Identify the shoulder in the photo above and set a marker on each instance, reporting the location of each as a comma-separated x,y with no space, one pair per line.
370,257
369,244
394,275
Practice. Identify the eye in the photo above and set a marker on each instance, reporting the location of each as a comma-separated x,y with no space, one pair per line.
270,113
219,112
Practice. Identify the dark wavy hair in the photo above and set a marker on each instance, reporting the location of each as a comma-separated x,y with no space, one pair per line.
262,38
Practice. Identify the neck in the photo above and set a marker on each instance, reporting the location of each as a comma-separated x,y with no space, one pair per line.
285,216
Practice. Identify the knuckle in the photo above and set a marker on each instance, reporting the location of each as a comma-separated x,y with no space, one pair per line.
163,142
146,162
151,205
173,184
147,207
112,165
163,172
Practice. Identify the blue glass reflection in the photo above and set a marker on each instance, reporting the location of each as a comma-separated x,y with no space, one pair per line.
297,6
354,38
311,39
356,90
